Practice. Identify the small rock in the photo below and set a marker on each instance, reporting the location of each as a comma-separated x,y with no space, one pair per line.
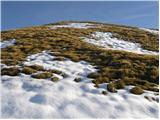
55,79
104,92
77,79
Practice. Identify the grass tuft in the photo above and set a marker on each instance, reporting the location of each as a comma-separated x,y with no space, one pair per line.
37,67
137,90
12,71
28,70
55,79
43,75
119,84
111,88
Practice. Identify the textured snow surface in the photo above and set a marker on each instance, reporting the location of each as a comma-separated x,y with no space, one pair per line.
149,30
105,40
69,67
74,25
26,97
7,43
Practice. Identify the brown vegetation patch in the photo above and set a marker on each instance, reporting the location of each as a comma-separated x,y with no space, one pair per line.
43,75
137,90
131,68
12,71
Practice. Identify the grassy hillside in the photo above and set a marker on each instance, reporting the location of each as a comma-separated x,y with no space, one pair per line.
128,68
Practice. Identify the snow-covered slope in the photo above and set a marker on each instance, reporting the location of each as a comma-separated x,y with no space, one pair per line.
67,66
106,40
73,94
74,25
26,97
150,30
7,43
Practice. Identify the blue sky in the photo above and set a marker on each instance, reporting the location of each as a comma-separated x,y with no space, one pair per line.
22,14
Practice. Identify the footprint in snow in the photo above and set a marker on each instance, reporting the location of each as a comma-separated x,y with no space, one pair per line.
38,99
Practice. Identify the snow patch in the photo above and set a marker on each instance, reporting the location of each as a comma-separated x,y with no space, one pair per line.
149,30
105,40
26,97
7,43
67,66
74,25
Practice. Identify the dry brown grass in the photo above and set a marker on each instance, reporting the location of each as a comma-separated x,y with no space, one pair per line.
112,65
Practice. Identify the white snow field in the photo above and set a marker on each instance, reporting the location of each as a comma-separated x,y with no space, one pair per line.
7,43
26,97
74,25
105,40
149,30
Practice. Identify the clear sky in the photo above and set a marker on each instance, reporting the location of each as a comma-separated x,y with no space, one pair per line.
22,14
